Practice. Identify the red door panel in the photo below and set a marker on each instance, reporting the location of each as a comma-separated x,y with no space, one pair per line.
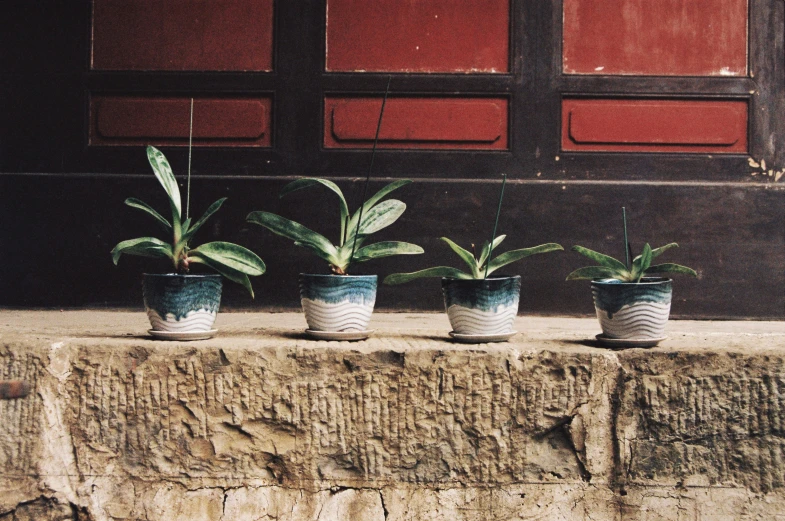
655,37
118,120
437,123
183,35
611,125
418,36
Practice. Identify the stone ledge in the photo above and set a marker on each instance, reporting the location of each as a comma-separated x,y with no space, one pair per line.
260,421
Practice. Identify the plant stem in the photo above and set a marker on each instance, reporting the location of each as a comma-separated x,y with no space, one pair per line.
370,169
190,143
626,242
498,211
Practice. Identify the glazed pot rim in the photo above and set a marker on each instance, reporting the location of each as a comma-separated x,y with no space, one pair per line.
339,276
645,281
490,277
183,275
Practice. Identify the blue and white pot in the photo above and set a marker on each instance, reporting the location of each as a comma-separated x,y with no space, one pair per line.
483,306
181,303
633,311
337,302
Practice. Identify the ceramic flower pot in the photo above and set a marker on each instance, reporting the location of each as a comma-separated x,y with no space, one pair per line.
181,305
338,303
482,308
633,311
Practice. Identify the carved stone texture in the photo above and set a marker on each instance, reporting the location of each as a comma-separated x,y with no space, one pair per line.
720,423
342,416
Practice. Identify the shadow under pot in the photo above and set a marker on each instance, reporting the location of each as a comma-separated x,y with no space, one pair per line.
338,304
630,311
482,310
181,305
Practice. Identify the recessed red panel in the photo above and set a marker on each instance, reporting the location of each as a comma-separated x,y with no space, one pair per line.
183,35
437,123
418,36
612,125
126,120
656,37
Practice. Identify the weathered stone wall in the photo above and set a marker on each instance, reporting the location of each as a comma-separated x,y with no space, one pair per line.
275,427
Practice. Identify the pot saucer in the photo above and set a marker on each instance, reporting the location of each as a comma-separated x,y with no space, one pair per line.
482,339
183,335
339,335
628,342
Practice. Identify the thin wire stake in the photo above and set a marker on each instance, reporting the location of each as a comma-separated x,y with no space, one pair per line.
370,169
190,143
498,211
626,242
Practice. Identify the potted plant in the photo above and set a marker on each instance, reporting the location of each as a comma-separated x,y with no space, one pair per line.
181,305
632,308
481,308
338,305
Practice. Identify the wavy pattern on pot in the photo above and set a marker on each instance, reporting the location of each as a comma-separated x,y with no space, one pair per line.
171,300
338,302
484,306
636,311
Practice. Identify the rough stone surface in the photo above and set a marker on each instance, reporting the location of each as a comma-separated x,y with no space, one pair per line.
261,423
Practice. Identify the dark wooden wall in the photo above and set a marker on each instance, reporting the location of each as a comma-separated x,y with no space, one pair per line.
586,105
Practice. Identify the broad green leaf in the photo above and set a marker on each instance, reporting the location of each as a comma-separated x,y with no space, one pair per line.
656,252
669,267
186,226
232,255
439,271
297,232
165,176
189,233
371,202
345,251
143,246
486,249
335,260
141,205
386,249
599,258
515,255
466,256
593,272
226,271
381,216
641,263
310,181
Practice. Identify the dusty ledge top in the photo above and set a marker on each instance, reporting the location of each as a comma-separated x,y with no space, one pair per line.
393,331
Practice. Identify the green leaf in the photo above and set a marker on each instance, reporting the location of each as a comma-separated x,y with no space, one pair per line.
516,255
371,202
165,176
143,247
310,181
189,233
656,252
599,258
439,271
486,249
141,205
226,271
669,267
641,263
381,216
386,249
593,272
466,256
297,232
232,255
